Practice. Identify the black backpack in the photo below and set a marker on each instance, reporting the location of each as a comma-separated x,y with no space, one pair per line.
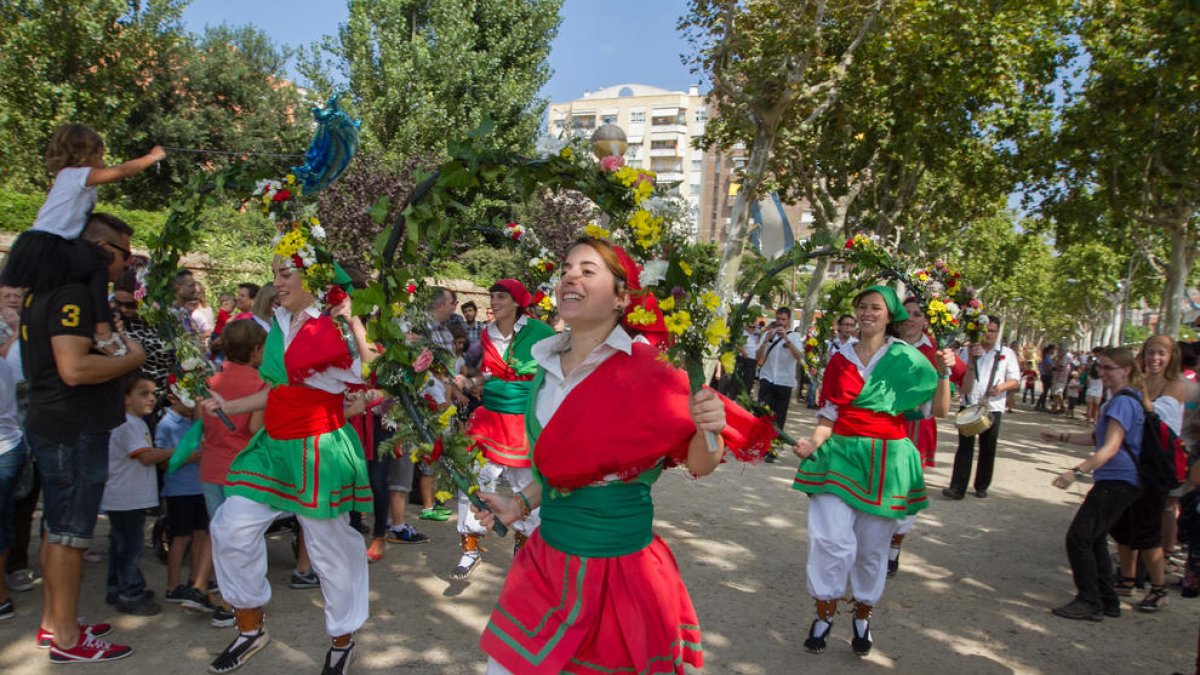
1163,464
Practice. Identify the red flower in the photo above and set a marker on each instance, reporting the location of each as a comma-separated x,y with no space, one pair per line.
516,236
297,261
537,297
849,243
549,266
436,453
411,288
282,196
430,403
336,296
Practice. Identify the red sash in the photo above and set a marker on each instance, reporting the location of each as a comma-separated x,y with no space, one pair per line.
863,423
493,362
295,412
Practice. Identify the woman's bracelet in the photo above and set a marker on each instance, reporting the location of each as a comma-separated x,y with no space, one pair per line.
943,376
526,509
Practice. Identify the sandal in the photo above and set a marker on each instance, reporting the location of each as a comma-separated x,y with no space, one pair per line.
1124,586
1155,599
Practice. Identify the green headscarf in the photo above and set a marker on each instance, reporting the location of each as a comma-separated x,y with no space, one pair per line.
896,309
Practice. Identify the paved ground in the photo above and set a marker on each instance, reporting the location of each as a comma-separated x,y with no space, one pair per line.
978,578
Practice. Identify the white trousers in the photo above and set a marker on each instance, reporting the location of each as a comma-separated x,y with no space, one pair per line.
906,524
338,555
492,475
494,668
846,543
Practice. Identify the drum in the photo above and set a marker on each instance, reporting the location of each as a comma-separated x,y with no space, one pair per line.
973,419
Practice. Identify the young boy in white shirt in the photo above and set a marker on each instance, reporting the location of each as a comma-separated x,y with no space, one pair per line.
132,488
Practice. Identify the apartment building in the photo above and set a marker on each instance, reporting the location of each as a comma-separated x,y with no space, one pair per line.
659,125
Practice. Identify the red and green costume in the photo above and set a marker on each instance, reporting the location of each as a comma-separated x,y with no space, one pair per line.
306,459
595,591
498,426
869,461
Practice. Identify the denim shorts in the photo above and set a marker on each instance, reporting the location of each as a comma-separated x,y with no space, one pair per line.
11,465
73,477
214,497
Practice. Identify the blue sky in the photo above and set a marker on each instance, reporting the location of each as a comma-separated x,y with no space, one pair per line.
599,43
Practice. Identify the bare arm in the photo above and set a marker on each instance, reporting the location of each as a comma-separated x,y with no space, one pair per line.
151,456
821,433
112,174
256,421
708,412
1113,439
77,365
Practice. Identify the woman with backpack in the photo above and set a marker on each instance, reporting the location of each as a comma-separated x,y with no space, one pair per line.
1117,438
1142,528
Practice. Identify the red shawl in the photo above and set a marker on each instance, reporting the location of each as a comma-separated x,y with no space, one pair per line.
629,415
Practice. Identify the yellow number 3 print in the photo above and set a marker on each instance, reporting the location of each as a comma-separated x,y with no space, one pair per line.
70,317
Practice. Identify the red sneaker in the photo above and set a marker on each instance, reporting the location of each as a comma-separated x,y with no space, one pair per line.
90,649
45,637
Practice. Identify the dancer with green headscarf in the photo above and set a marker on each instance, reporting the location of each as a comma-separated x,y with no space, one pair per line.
866,474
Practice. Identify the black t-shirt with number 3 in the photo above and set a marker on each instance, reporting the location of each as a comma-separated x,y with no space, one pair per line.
58,411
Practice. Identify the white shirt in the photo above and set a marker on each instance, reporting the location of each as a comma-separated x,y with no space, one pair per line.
830,411
332,380
555,387
68,204
10,422
131,485
1006,371
750,351
202,319
780,366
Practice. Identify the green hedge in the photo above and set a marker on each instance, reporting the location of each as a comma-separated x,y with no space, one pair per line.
18,211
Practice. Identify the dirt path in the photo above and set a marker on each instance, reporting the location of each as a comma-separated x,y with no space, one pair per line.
977,579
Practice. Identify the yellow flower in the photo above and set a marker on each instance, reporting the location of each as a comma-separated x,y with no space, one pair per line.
710,300
811,342
290,244
717,332
640,316
646,228
447,415
667,304
728,361
971,325
473,489
546,304
291,179
480,459
627,176
443,496
678,322
567,153
687,269
314,221
415,455
644,189
596,232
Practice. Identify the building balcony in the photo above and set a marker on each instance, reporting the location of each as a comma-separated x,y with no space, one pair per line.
669,129
669,176
665,152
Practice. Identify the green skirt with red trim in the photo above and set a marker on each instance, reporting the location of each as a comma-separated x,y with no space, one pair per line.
875,476
320,476
560,613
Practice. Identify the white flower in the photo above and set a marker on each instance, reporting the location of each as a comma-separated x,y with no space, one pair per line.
653,272
952,307
192,363
549,146
318,232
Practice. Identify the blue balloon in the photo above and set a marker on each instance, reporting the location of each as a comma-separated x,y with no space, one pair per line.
331,149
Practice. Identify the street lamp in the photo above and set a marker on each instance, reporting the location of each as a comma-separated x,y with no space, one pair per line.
609,141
